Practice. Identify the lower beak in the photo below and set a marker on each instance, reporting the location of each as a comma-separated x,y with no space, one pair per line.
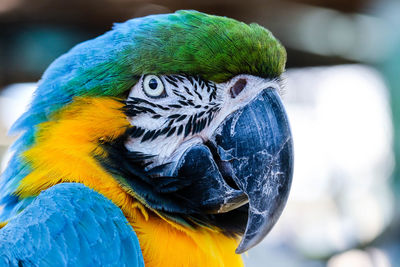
249,159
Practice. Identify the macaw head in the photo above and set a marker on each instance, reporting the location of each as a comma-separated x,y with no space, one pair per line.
183,112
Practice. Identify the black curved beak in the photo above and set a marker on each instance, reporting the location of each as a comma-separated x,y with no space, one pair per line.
249,159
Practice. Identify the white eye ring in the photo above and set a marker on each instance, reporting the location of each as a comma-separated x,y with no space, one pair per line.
153,86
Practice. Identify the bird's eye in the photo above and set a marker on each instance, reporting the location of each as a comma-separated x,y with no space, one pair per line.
153,86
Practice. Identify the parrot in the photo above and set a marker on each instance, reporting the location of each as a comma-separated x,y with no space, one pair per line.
163,142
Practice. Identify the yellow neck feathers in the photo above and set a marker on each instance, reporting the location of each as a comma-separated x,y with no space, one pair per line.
63,152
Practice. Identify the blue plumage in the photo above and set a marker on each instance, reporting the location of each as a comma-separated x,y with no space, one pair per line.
70,225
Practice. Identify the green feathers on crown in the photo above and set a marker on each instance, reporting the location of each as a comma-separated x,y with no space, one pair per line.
190,42
216,48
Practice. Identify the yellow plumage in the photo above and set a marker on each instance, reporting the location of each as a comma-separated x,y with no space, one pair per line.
64,152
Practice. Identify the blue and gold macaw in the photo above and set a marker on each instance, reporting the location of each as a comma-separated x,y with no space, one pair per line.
162,142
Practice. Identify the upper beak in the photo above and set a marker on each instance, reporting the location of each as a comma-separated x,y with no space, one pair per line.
249,159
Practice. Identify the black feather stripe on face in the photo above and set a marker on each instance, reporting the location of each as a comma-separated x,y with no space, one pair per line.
184,116
166,195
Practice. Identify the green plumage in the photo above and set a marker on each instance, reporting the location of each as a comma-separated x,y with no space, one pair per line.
190,42
216,48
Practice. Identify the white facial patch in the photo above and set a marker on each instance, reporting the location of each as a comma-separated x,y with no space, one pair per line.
184,110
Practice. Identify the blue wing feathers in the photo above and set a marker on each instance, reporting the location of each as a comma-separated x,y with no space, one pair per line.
69,225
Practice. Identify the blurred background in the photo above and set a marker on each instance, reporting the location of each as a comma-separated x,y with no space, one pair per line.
342,94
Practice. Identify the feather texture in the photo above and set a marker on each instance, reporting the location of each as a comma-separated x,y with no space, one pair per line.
69,225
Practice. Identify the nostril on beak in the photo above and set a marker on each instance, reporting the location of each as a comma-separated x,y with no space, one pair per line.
238,87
